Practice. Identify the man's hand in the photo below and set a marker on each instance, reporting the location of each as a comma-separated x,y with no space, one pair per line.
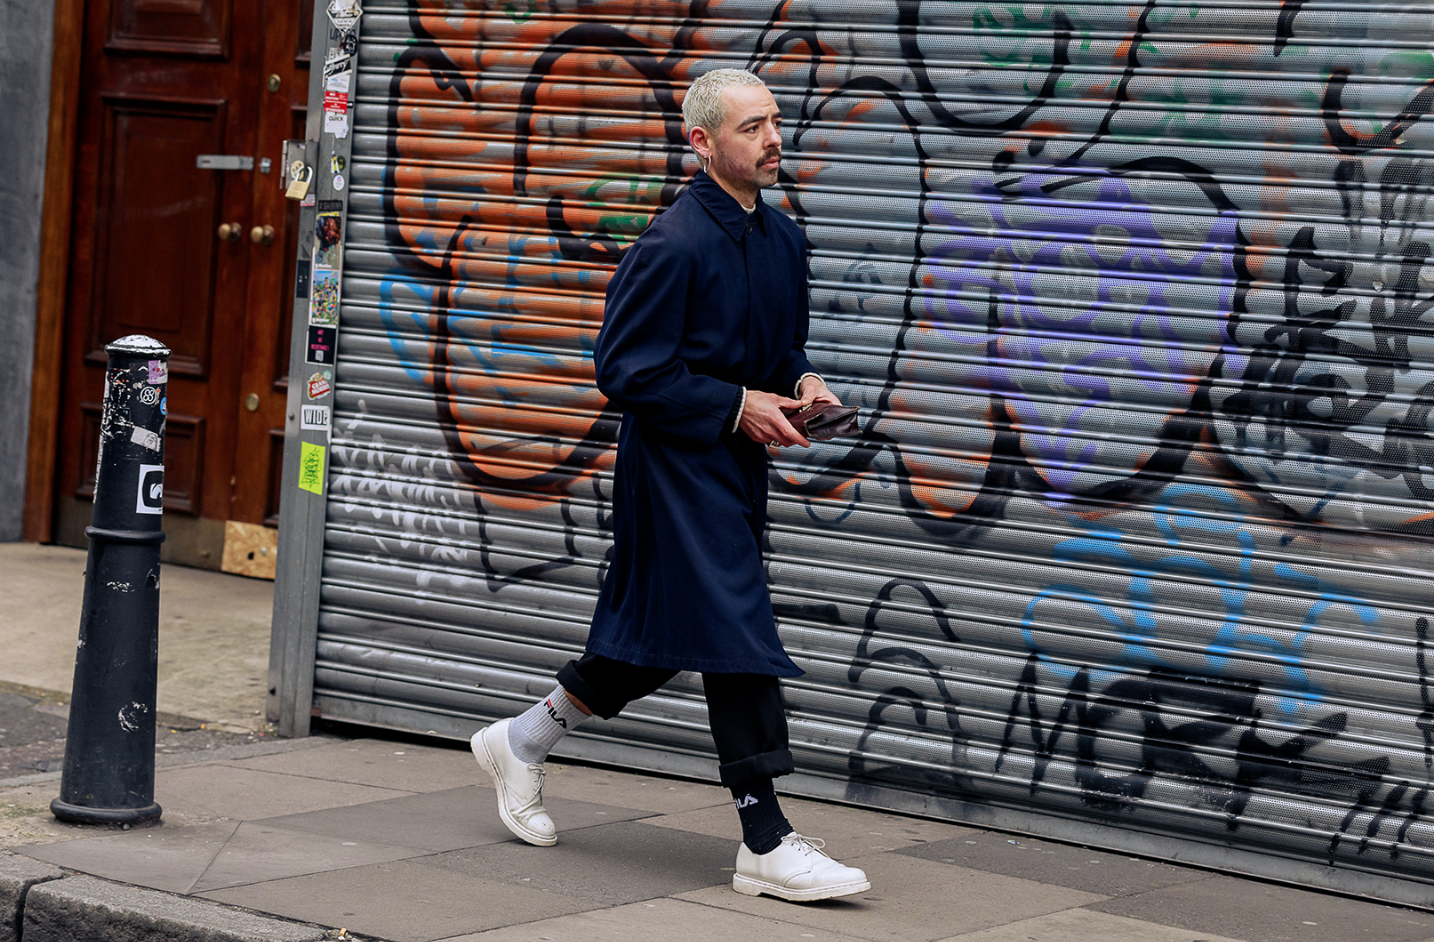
763,421
815,390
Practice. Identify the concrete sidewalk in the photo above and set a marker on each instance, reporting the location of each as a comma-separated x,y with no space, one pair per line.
399,839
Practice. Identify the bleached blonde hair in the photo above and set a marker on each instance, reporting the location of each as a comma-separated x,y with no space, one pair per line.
703,108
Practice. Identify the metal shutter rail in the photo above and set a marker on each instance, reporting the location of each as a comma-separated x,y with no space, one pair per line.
1135,299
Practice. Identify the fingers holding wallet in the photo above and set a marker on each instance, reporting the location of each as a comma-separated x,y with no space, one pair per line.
762,419
814,389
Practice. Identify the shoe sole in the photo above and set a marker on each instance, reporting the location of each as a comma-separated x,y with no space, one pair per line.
750,887
486,763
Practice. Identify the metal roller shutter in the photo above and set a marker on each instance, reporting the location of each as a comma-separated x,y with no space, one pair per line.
1135,299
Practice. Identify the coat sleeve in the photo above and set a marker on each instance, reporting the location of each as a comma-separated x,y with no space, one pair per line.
636,358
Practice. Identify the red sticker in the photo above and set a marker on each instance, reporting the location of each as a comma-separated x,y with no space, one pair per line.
319,384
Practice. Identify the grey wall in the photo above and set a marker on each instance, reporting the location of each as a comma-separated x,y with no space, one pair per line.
26,30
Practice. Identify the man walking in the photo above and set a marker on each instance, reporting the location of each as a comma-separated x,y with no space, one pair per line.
701,348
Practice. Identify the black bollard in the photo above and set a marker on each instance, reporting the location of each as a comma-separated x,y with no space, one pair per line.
108,776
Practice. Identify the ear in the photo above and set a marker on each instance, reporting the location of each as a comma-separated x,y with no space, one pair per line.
701,142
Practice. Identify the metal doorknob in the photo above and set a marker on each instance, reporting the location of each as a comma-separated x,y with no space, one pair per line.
262,235
251,402
230,231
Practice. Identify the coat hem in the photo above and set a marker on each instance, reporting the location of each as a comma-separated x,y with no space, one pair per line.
697,664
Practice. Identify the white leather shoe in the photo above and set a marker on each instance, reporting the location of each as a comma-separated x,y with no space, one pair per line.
796,870
519,785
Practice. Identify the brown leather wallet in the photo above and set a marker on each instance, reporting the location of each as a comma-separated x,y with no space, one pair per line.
823,421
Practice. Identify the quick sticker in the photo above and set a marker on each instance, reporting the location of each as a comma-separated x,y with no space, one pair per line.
336,104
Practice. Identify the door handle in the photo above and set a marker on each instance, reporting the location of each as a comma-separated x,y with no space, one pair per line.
230,231
223,162
262,235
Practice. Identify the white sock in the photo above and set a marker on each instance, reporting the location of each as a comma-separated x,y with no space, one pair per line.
533,734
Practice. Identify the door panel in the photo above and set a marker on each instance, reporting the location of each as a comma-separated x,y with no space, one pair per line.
198,28
155,231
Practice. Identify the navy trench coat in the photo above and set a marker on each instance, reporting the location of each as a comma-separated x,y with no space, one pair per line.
708,301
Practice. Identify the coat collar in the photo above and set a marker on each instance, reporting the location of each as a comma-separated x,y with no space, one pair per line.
727,211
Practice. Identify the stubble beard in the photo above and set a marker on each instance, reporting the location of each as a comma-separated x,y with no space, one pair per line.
749,174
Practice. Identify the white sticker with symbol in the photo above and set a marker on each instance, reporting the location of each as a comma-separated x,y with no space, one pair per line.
144,438
151,489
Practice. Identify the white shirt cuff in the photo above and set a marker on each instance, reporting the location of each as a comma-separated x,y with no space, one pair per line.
740,406
797,389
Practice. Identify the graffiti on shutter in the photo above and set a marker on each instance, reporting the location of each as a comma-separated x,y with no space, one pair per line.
1135,299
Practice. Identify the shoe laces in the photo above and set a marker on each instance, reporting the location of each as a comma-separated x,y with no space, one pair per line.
806,844
539,776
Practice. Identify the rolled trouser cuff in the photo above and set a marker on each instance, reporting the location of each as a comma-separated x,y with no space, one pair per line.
764,765
574,684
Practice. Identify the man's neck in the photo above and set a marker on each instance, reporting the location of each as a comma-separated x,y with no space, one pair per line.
746,196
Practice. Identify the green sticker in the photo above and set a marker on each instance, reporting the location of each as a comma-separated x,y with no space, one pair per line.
311,468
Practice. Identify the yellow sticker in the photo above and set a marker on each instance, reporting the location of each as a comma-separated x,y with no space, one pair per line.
311,467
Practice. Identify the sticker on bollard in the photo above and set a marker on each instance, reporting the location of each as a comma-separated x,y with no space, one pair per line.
151,489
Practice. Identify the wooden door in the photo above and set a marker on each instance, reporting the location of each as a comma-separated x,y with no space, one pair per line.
163,83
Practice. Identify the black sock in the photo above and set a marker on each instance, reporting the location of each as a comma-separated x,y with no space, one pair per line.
763,824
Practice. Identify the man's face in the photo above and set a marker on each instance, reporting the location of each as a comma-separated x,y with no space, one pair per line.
747,149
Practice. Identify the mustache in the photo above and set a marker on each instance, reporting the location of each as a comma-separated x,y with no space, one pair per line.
768,155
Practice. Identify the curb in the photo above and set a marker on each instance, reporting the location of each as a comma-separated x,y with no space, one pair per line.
41,903
17,876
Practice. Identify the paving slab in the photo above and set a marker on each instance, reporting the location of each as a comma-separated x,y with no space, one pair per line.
1084,925
404,901
84,908
659,920
629,790
17,875
911,900
847,831
402,766
446,820
213,633
259,852
231,791
163,858
1078,868
611,864
1269,912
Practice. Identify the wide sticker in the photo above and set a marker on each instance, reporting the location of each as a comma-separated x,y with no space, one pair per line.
314,417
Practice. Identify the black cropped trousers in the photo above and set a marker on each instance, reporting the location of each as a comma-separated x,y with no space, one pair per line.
746,713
